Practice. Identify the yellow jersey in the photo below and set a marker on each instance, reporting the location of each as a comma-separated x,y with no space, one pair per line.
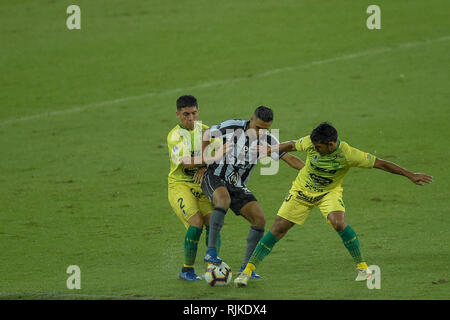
324,173
181,143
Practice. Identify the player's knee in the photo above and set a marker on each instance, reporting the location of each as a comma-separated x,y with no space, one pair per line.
337,220
280,227
260,221
278,231
196,220
223,202
339,225
222,199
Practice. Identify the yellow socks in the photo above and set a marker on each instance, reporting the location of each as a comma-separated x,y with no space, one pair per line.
362,265
249,268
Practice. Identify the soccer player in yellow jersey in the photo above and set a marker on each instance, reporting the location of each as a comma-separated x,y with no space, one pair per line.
319,184
186,169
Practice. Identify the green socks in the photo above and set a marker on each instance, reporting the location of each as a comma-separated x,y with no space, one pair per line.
351,242
263,248
190,245
266,244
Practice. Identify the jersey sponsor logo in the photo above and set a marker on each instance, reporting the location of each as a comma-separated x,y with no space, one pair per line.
196,193
304,197
332,171
313,187
321,181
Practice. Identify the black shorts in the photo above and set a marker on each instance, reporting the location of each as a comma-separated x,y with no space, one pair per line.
239,196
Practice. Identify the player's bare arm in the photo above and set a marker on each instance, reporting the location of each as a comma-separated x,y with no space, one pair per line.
265,150
417,178
192,162
287,146
293,161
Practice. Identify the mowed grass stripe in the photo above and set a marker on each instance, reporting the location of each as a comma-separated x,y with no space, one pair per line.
210,84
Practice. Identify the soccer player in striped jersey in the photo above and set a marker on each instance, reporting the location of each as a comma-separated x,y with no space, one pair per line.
320,184
225,181
184,191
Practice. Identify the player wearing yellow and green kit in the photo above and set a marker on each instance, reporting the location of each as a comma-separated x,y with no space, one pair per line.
319,184
186,169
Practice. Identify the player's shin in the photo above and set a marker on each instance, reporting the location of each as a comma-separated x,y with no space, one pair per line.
254,235
264,247
219,240
191,245
351,242
216,222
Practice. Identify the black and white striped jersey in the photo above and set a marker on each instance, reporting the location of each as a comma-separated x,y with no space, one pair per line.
235,167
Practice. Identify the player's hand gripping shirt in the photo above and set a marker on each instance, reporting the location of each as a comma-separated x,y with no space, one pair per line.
324,173
182,143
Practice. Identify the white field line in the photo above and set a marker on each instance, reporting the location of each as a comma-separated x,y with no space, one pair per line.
227,81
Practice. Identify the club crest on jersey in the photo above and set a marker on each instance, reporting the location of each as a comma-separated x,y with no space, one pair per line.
315,158
232,178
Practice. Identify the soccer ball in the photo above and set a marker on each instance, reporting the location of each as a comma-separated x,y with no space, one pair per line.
218,276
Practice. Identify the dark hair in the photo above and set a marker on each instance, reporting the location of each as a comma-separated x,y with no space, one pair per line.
186,101
324,133
264,113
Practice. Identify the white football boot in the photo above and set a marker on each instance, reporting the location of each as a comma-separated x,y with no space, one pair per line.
363,274
241,280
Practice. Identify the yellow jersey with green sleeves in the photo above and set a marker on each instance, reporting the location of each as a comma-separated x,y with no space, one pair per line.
324,173
181,143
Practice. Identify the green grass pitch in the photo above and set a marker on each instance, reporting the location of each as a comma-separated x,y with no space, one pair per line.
84,116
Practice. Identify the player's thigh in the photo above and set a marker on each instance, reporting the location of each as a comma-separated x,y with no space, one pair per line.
184,202
206,207
215,189
294,210
280,227
332,202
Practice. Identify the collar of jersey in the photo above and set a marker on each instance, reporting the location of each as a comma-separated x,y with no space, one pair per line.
337,147
185,128
247,123
336,150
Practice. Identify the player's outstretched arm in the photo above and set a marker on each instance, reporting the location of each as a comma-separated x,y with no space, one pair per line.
266,150
293,161
417,178
287,146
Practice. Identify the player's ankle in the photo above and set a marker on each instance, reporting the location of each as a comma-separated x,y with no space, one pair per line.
249,268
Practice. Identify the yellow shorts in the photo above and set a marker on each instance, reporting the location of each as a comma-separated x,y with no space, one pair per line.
299,203
187,199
